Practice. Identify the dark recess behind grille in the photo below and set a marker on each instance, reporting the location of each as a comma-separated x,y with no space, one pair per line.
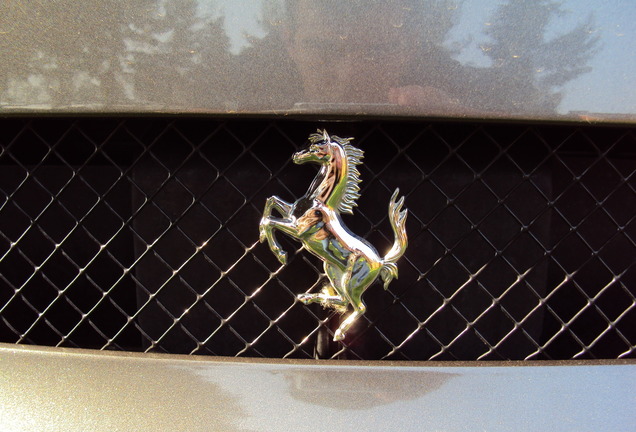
521,239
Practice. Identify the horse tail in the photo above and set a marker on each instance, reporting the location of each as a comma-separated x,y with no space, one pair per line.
397,216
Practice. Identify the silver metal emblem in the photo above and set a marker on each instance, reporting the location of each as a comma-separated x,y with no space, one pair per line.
350,262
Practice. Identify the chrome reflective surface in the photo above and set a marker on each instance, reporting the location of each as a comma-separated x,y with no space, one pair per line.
350,263
48,389
567,59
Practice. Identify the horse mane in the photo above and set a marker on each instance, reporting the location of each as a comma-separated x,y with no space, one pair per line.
354,157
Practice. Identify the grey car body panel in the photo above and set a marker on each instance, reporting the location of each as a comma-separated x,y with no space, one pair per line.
466,60
520,60
70,389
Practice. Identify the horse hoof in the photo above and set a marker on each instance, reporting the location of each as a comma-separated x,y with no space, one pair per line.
282,257
304,298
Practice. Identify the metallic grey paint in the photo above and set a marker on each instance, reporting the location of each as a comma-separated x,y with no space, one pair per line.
496,59
97,57
50,389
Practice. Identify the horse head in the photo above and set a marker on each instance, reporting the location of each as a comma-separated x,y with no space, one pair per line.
321,150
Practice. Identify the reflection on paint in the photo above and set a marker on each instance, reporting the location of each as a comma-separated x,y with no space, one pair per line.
496,58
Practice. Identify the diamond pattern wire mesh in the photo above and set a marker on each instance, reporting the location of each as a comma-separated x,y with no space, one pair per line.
141,234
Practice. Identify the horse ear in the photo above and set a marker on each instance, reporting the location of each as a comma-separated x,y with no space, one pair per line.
325,135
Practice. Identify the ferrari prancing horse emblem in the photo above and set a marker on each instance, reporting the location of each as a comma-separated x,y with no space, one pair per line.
350,262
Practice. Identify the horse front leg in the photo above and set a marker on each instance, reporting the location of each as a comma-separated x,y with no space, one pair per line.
266,227
288,226
273,203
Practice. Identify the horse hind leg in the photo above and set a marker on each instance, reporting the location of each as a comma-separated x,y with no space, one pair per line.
354,295
327,297
359,309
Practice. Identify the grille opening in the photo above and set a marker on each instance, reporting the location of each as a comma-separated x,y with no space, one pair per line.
142,235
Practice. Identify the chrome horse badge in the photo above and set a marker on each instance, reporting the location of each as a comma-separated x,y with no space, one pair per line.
350,262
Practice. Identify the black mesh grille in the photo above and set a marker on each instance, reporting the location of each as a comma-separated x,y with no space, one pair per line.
142,234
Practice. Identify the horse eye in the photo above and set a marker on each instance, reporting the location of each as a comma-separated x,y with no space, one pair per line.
317,213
